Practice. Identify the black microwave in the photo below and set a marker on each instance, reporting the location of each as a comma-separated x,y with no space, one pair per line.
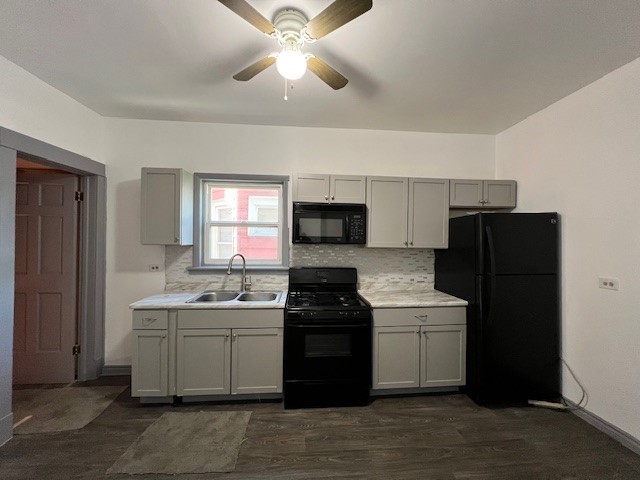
329,223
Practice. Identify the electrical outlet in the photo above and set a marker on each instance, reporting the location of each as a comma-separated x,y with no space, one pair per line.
154,268
609,283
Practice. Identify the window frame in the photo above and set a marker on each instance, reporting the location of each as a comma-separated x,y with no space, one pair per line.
200,217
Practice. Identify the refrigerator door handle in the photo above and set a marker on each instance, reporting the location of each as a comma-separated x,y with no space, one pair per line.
492,256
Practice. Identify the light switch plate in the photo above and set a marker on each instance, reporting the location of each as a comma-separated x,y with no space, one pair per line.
609,283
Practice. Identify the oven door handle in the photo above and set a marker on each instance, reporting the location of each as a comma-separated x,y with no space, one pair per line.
340,325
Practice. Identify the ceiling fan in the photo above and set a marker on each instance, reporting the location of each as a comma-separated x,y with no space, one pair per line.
292,30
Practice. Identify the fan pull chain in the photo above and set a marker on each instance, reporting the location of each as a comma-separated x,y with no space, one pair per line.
285,89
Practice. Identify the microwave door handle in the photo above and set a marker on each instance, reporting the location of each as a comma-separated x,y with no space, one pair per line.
347,229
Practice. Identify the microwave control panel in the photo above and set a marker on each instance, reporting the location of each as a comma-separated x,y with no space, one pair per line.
357,229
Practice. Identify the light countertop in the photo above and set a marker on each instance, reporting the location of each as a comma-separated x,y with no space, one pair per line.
377,299
171,301
411,298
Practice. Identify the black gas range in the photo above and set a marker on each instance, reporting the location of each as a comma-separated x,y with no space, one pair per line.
327,339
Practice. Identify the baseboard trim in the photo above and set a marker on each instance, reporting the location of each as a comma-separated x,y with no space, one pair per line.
6,428
629,441
115,370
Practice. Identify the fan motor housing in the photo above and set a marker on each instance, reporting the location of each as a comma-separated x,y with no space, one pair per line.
290,22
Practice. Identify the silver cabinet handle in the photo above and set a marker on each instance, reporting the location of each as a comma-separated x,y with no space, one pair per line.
235,335
405,244
421,317
333,197
411,243
227,335
418,332
326,197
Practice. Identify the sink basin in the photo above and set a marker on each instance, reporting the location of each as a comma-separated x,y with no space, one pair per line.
259,297
215,297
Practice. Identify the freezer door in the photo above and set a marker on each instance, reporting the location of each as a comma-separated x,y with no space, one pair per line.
518,243
520,338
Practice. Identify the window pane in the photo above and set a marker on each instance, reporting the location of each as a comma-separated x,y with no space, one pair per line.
260,244
242,204
221,242
255,243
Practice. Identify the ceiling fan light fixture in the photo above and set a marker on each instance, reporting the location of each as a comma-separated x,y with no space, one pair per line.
291,63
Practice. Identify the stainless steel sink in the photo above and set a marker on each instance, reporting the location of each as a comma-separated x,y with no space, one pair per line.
259,297
224,296
215,297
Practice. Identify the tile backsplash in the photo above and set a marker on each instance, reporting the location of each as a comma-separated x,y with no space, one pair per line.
378,268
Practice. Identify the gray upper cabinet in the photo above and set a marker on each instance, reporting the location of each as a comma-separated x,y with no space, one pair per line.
428,213
166,210
311,187
406,212
483,194
387,199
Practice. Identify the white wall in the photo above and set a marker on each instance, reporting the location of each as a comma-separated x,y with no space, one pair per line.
30,106
133,144
581,157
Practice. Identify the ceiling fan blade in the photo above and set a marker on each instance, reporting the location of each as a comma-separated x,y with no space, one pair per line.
250,14
326,73
336,15
254,69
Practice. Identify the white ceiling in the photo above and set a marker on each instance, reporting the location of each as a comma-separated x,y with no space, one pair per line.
468,66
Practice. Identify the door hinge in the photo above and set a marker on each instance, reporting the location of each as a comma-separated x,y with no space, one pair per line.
79,196
76,349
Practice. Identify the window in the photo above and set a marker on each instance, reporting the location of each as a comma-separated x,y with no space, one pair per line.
242,214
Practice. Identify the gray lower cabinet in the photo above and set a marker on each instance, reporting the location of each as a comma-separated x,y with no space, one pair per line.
419,347
256,360
443,355
396,357
206,352
229,361
150,360
203,362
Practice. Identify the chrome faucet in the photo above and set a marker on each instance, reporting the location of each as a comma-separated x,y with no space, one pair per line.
245,282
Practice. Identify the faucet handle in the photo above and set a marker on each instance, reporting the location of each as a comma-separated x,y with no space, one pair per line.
247,282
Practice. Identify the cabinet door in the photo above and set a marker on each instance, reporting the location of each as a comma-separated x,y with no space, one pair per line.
310,187
166,210
443,355
150,364
256,365
428,213
466,193
387,211
203,361
499,193
347,189
396,357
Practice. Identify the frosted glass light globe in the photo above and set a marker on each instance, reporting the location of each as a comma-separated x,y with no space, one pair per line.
291,64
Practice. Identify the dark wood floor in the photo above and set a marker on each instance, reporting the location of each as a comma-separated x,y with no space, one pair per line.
427,437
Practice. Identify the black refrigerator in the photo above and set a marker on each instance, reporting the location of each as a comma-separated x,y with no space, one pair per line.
506,266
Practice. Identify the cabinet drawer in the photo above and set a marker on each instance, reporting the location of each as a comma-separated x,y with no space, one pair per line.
231,318
390,317
150,319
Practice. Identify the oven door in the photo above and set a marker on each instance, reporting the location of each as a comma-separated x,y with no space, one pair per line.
325,351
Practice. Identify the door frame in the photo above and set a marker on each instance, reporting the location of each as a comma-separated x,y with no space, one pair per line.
91,254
